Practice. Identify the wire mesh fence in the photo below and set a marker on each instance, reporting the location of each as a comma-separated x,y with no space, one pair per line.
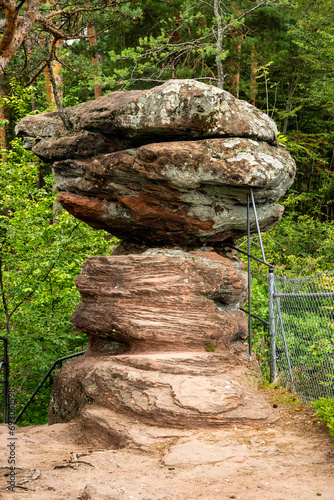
304,325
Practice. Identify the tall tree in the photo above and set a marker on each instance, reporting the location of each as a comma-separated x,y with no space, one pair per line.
57,19
95,57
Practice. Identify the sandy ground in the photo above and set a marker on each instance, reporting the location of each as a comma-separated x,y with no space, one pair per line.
292,459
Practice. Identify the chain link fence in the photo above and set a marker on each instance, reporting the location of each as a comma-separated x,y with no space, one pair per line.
303,320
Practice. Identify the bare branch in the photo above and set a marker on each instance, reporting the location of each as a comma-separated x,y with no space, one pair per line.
245,14
51,29
21,4
70,36
61,111
76,11
46,63
207,3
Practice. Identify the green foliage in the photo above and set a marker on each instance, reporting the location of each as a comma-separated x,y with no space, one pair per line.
19,100
325,411
309,338
184,45
211,347
80,75
42,249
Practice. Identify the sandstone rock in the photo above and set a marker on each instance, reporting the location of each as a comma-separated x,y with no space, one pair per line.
116,173
35,128
80,145
196,452
180,192
162,300
46,126
123,489
177,109
174,390
104,428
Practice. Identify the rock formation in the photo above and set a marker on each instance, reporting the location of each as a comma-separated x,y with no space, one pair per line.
167,170
115,170
161,300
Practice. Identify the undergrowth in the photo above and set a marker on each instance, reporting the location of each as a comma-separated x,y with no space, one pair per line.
325,412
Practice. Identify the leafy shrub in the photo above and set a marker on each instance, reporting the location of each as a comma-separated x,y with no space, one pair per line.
325,411
42,248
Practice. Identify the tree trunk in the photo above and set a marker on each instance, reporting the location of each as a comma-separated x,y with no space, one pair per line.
15,32
252,87
57,74
56,97
219,46
289,102
50,97
95,58
235,67
48,89
3,140
33,99
288,108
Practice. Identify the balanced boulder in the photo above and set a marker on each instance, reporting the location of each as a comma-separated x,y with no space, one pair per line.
169,165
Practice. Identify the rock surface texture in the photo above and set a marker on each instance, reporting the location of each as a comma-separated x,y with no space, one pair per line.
160,301
177,390
168,170
115,170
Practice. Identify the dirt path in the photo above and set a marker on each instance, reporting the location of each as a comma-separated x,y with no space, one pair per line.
293,459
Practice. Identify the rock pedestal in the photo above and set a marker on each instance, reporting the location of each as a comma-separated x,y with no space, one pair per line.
167,170
161,301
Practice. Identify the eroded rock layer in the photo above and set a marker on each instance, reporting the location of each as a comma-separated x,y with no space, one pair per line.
177,109
178,192
162,300
177,390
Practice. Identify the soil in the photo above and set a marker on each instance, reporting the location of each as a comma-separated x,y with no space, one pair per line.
291,459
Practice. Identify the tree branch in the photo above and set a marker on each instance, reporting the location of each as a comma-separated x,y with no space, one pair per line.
46,63
61,111
76,11
14,35
17,28
21,4
51,29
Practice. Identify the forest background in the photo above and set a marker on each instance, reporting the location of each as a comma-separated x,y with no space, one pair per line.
275,54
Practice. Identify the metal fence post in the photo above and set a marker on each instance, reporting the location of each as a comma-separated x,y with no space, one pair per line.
249,282
6,381
272,333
